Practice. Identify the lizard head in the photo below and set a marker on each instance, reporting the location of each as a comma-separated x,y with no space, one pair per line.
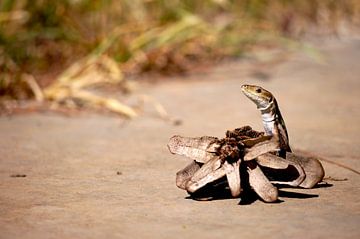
261,97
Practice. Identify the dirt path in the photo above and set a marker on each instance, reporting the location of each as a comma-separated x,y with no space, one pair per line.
100,177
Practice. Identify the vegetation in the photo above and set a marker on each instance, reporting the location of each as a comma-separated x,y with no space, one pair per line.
49,49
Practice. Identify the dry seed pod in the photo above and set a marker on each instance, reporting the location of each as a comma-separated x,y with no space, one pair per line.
260,184
260,148
201,149
252,141
281,171
233,177
208,173
314,171
185,174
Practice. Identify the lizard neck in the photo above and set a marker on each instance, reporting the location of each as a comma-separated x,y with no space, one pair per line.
269,118
274,125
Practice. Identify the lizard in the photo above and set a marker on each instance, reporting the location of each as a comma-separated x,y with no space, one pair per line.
273,121
274,125
308,167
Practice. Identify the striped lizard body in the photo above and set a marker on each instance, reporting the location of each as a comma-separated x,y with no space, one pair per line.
273,122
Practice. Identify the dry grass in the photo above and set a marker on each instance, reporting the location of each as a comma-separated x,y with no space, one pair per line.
103,41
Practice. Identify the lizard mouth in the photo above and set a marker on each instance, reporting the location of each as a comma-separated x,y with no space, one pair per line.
244,87
249,94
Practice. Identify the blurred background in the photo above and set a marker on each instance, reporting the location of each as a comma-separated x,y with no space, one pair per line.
53,52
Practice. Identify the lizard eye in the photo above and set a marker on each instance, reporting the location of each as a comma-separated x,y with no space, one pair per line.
258,90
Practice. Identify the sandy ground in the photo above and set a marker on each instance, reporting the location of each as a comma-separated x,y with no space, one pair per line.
94,176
